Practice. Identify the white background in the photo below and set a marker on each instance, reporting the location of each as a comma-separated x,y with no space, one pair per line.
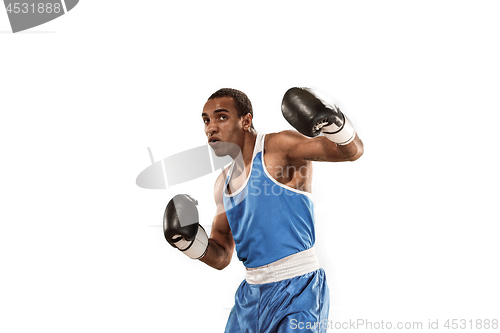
409,232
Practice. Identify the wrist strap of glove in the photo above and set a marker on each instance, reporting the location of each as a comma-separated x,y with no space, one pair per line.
196,248
341,136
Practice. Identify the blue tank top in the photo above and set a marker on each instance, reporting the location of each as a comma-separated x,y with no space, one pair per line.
268,220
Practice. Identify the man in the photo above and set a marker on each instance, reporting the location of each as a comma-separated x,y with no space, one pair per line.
264,209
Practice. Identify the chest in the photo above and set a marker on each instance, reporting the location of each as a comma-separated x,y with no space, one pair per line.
297,176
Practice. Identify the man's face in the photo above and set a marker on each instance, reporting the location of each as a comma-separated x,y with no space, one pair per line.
223,127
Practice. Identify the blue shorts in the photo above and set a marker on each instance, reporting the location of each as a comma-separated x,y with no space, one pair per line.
299,304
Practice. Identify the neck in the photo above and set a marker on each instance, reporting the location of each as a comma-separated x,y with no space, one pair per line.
244,158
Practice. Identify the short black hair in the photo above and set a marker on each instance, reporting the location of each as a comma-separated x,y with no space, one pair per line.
241,100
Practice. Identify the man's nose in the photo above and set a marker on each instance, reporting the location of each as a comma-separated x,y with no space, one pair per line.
212,128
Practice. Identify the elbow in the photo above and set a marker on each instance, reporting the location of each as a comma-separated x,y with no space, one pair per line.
347,153
352,152
222,265
357,155
217,256
224,261
358,151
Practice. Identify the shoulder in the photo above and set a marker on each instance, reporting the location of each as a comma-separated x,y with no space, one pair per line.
284,141
222,176
219,184
284,137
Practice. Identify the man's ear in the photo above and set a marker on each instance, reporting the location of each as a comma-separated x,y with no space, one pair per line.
247,121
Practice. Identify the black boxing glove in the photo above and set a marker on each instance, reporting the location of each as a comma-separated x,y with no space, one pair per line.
182,229
310,115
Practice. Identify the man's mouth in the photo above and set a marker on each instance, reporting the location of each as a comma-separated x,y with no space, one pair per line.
213,140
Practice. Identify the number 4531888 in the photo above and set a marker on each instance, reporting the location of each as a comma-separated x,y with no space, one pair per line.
471,324
39,8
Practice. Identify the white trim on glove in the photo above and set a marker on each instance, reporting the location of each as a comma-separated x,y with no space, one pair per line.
196,248
340,136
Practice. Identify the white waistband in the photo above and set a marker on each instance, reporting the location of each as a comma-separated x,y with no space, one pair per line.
294,265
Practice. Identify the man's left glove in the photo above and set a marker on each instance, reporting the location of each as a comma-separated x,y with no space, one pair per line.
310,115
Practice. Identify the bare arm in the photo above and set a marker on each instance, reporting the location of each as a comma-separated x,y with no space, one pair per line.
298,147
221,242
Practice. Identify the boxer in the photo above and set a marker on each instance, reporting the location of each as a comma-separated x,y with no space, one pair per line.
265,209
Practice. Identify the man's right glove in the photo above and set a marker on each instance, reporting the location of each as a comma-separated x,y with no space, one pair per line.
182,229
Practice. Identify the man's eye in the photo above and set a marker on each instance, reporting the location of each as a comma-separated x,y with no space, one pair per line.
223,117
206,120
